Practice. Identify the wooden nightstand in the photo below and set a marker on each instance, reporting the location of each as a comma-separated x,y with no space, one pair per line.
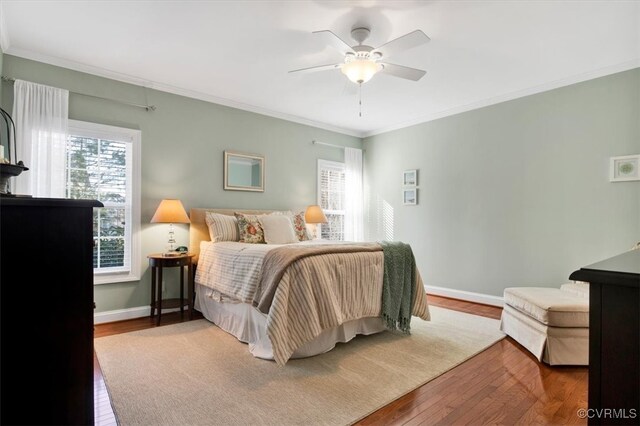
157,262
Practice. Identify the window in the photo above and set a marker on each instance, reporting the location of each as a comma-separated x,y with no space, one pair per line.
331,189
103,163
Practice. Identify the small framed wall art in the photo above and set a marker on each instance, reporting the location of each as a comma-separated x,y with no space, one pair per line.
624,168
410,178
410,196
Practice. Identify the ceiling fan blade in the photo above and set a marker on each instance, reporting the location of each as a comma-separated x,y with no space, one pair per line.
400,44
336,42
318,68
402,71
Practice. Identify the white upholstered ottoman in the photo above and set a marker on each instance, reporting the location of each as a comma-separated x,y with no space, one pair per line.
552,323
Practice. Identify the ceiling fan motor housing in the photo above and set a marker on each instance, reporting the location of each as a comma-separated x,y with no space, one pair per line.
360,34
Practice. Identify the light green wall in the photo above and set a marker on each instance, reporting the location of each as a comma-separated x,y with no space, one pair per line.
182,155
514,194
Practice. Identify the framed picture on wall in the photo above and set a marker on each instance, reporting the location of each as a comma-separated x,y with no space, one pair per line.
243,172
624,168
410,196
410,178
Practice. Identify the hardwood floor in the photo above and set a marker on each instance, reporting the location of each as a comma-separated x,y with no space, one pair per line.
504,384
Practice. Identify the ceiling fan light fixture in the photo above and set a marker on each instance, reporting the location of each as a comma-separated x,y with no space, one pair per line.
360,70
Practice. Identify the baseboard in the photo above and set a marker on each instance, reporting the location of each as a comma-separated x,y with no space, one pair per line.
125,314
469,296
143,311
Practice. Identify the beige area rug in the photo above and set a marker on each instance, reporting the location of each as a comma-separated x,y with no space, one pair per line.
195,373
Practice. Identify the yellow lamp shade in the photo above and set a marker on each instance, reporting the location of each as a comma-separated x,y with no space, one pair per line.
314,214
170,211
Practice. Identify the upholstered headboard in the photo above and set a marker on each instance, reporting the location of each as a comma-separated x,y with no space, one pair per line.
198,230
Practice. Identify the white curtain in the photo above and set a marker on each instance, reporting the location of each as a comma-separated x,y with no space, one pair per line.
41,114
354,197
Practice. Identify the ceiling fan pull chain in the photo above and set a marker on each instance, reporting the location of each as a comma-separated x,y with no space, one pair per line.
360,99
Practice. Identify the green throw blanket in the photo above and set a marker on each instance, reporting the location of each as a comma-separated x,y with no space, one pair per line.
398,285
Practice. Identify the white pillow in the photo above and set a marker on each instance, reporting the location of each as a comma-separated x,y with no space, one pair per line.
297,220
278,229
222,227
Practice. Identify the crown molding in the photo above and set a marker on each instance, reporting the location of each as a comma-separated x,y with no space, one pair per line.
578,78
126,78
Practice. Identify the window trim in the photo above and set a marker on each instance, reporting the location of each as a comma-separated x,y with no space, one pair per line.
103,131
327,164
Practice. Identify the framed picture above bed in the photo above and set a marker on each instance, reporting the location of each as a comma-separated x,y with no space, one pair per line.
243,172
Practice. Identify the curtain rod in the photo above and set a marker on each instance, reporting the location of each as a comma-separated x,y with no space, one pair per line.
315,142
146,107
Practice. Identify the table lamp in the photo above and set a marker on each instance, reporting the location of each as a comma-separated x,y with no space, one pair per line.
315,215
170,211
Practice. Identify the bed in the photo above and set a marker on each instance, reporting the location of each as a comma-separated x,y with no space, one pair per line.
316,300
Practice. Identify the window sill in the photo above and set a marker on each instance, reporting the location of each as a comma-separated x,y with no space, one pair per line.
114,278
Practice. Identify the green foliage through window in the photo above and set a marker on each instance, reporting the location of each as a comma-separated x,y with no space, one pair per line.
97,170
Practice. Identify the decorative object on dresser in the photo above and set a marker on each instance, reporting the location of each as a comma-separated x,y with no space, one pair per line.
59,324
170,211
243,172
159,261
625,168
614,337
314,216
7,168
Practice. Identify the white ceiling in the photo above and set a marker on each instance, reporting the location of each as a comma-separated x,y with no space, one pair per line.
238,52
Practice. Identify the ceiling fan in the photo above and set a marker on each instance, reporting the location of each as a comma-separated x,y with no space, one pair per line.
361,62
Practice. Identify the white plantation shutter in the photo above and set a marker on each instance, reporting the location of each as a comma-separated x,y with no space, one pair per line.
101,165
331,194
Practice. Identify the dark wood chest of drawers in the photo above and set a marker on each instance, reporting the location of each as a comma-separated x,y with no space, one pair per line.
614,338
46,302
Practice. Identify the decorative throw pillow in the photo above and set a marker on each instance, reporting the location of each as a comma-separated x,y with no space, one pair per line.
222,227
250,229
278,229
300,226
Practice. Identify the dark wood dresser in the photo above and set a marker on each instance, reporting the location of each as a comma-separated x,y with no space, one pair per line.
614,338
46,311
